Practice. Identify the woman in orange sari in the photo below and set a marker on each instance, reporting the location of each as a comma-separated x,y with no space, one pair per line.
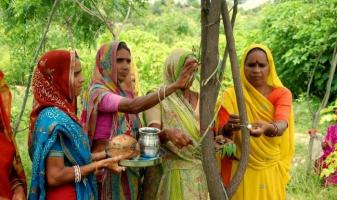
269,110
13,180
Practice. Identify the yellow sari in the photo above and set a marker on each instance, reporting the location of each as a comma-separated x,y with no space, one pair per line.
269,163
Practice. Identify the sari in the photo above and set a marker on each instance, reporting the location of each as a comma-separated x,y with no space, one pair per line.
11,173
269,162
53,116
181,175
114,186
331,140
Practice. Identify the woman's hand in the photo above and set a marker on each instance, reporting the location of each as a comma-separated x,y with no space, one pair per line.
261,127
324,145
19,193
177,137
186,74
112,163
233,124
220,140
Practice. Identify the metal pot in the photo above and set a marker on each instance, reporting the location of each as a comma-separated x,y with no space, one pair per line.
149,142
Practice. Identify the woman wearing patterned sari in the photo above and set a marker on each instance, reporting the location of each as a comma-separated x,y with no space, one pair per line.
181,175
269,110
59,149
111,111
13,180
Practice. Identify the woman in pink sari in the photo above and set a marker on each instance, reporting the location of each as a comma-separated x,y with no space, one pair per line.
328,145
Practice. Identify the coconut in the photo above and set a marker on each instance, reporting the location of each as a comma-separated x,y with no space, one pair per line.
124,145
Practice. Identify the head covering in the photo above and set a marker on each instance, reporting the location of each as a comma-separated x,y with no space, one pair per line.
53,85
176,102
18,174
104,81
5,107
277,150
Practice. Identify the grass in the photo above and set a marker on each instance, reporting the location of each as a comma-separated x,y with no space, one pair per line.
301,186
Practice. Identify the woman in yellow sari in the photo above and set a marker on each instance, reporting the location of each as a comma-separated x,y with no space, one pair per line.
269,110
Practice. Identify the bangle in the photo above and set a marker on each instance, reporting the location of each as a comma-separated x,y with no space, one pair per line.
159,95
77,172
164,92
16,185
275,131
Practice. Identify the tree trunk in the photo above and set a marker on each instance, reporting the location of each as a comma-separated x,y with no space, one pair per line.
210,18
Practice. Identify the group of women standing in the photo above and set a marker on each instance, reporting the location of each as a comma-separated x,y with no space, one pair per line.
69,157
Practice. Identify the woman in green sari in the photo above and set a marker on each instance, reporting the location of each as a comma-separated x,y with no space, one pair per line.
181,175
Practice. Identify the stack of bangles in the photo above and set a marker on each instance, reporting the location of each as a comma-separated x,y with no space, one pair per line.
164,88
275,132
77,172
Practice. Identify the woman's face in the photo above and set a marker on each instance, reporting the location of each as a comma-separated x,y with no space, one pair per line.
123,61
256,68
78,78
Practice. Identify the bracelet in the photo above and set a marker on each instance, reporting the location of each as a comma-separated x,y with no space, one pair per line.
275,132
164,92
77,172
159,95
16,185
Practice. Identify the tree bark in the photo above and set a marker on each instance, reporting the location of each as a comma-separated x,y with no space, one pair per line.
323,104
240,101
36,54
210,17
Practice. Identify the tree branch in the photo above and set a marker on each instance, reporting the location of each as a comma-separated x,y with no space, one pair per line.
124,21
323,104
36,54
240,101
87,10
104,20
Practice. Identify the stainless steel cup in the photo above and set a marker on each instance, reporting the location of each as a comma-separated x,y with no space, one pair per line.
149,142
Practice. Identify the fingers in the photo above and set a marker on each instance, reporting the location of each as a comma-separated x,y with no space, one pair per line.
189,63
180,139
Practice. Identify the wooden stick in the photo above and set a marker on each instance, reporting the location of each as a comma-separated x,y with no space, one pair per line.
240,101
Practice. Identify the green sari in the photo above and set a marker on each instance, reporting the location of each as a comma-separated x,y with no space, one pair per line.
181,175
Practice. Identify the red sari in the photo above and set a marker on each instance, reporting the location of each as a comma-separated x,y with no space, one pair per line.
11,170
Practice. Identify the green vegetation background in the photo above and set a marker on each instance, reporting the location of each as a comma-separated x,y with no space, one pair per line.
301,34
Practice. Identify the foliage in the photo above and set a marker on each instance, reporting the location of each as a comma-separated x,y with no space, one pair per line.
329,114
23,23
301,34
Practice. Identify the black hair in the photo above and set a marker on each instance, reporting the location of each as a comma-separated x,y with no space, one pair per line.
122,45
255,49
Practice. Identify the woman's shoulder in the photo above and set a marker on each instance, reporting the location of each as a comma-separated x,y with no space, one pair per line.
282,91
281,95
52,115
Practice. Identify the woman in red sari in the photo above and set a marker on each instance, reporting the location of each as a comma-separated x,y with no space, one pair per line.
13,180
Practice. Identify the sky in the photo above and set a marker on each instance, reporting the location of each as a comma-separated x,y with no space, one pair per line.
250,4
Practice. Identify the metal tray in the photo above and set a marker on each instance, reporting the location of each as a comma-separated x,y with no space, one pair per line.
141,162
